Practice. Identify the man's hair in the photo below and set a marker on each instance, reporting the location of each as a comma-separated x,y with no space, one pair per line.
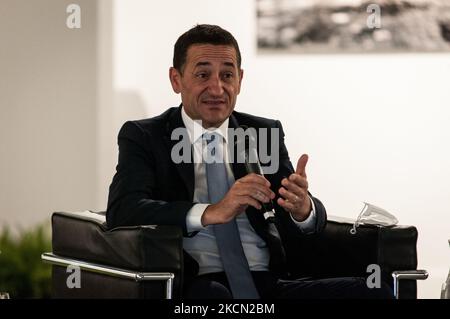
202,34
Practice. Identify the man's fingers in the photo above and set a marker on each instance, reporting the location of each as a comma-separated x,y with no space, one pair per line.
301,165
256,186
288,206
293,197
248,200
257,191
295,180
255,178
252,190
291,187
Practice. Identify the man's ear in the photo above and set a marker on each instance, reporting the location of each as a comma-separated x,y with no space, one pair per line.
175,79
241,75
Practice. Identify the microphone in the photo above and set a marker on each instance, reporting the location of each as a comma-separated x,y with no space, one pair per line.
252,165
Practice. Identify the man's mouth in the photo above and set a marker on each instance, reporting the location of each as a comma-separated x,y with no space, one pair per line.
213,102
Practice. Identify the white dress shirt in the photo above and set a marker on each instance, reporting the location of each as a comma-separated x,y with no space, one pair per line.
203,247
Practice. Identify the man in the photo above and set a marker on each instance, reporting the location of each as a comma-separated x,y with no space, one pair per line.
232,250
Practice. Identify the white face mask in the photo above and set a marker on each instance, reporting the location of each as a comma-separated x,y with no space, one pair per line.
373,215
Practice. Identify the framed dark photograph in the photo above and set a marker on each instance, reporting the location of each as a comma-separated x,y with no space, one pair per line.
353,26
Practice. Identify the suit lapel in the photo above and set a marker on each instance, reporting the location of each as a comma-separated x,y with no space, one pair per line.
186,170
239,170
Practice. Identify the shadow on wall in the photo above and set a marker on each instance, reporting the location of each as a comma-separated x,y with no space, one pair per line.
122,106
128,105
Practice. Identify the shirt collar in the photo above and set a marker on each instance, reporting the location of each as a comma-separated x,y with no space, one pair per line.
196,130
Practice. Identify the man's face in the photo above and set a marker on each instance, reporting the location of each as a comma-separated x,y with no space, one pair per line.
209,83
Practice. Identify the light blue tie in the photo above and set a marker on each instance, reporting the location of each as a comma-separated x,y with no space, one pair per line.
227,235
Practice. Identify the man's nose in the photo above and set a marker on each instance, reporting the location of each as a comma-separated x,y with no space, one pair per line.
215,86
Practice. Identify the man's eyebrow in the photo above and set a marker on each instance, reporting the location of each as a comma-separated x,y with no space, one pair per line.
231,64
202,64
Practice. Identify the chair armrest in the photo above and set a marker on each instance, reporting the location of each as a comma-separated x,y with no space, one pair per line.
337,253
406,275
83,237
111,271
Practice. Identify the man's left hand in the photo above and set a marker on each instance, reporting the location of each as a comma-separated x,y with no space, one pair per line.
294,193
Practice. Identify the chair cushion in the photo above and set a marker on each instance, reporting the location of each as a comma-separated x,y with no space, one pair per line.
84,236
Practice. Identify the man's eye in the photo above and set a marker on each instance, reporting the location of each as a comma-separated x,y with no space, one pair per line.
201,75
228,75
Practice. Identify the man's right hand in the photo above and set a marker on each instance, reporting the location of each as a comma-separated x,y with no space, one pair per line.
250,190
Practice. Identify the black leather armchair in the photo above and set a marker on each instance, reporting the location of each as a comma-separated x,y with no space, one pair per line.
147,261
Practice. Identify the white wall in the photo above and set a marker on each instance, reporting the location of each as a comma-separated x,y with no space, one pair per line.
48,111
373,125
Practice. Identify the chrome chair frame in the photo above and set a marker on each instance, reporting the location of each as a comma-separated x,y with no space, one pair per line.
407,274
112,271
169,277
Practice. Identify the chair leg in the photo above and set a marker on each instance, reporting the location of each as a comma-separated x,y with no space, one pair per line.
407,274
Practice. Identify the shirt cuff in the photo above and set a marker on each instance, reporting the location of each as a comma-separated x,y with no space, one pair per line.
309,224
194,217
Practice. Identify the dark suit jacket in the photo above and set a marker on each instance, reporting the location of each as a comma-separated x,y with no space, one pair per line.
149,188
